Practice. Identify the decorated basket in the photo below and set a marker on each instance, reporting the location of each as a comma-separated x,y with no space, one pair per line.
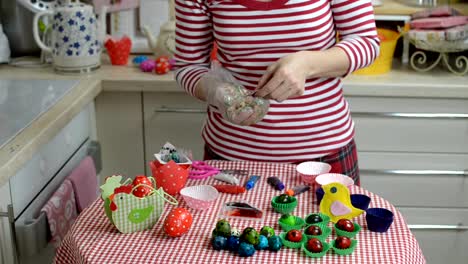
133,207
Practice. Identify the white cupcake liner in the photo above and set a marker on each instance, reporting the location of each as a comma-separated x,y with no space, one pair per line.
199,197
311,169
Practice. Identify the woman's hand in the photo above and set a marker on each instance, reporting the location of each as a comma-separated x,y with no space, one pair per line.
284,79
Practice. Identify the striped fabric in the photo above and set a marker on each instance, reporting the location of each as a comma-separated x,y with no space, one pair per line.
250,36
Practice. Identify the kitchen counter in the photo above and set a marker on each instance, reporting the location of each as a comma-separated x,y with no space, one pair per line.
401,82
392,7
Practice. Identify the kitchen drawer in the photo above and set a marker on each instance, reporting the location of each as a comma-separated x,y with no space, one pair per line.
30,179
176,118
410,125
416,179
441,233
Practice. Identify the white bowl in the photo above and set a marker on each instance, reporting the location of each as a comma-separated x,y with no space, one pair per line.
327,178
308,170
199,197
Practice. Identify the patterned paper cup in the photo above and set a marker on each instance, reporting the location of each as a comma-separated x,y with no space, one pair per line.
340,232
199,197
308,253
299,223
310,169
284,208
326,231
346,251
360,201
170,176
291,244
323,223
379,219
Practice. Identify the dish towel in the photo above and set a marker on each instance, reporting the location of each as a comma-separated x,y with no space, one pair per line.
61,212
85,183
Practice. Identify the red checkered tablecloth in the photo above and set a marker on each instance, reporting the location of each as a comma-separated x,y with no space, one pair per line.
93,239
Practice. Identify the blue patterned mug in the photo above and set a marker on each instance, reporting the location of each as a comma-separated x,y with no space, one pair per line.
76,37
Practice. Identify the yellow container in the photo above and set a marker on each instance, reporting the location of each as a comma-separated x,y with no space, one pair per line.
383,63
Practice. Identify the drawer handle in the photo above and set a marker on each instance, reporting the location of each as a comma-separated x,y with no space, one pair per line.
411,115
418,172
458,227
164,109
11,220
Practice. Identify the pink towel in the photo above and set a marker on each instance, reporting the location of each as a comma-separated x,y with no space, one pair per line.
61,212
85,183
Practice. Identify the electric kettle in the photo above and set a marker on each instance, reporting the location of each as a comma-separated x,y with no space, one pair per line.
76,36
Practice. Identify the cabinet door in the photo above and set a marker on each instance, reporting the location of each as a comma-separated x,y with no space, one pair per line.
441,233
416,179
410,125
119,121
176,118
6,247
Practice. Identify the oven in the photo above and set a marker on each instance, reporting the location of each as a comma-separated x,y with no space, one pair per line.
33,185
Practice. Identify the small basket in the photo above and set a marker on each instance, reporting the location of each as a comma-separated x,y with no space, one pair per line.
284,208
325,245
326,231
383,63
199,197
170,176
344,252
299,224
340,232
291,244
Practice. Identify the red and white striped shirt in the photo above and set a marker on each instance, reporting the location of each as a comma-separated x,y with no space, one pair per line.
250,36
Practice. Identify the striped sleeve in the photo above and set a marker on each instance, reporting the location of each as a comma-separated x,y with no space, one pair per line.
194,41
355,23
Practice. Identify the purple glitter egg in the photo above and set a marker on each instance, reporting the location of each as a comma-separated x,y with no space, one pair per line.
148,65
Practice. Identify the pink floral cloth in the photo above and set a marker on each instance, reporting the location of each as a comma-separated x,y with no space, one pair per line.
61,212
85,183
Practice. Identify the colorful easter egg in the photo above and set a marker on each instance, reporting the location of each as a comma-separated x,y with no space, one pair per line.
177,222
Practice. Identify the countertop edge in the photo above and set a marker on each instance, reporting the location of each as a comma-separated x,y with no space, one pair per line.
22,148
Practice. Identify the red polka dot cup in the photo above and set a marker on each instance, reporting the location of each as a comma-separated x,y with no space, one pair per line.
170,176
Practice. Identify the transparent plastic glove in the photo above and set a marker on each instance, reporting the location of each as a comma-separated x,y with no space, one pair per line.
234,102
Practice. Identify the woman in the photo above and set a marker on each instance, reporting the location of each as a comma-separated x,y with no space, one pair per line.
284,51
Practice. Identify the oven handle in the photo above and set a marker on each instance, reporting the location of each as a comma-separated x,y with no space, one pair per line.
410,115
165,109
11,221
418,172
459,227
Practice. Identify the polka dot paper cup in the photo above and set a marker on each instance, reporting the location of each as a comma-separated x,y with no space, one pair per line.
310,169
199,197
170,176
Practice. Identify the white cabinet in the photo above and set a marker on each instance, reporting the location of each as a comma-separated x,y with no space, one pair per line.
6,249
174,117
414,153
120,131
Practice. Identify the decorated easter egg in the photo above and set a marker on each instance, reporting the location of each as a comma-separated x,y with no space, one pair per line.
246,249
267,231
162,67
275,243
233,243
235,232
177,222
223,228
219,242
250,235
263,243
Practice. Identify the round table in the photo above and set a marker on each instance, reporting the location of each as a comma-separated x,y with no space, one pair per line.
93,239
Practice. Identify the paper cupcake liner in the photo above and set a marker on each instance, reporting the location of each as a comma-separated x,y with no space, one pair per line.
299,224
283,208
347,251
326,247
340,232
326,231
325,220
199,197
291,244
